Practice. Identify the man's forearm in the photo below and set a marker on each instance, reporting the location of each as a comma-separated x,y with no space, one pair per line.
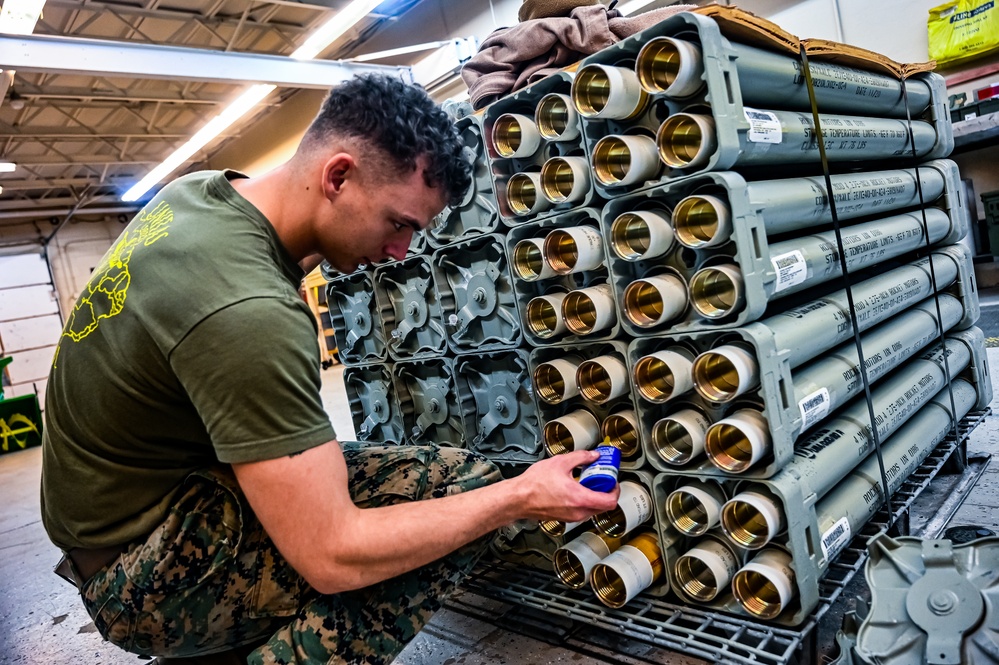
374,544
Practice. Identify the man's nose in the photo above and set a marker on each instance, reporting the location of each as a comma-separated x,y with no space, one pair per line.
399,245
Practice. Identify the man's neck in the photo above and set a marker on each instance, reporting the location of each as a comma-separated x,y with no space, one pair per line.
282,198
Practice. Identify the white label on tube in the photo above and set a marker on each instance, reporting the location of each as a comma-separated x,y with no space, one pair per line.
836,537
636,504
634,569
814,407
764,127
791,269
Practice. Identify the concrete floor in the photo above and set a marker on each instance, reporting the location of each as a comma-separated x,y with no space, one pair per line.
43,621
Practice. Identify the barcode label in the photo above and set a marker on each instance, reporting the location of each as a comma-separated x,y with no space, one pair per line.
836,538
791,269
814,407
764,127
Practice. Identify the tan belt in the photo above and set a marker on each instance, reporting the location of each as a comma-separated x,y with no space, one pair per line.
80,564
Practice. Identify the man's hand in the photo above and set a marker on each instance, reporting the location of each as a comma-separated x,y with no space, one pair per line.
551,492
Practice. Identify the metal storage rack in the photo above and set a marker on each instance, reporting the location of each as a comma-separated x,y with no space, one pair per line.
715,636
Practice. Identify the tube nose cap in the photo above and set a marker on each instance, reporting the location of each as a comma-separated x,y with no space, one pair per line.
717,291
641,234
603,91
655,300
752,519
702,220
670,66
765,586
687,140
736,443
557,118
515,136
724,373
679,437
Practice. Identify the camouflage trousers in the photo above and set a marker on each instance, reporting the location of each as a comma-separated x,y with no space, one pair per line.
209,579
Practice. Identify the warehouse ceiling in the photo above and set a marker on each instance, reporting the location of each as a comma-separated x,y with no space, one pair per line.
79,141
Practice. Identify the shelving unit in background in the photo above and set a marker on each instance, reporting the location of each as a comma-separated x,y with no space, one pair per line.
315,296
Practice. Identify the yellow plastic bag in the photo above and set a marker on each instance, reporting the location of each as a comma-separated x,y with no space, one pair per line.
963,29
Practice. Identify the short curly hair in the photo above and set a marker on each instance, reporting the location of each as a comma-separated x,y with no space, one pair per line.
400,120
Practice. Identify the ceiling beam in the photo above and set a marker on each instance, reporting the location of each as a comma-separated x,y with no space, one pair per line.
56,183
94,57
77,160
91,95
185,16
77,134
29,207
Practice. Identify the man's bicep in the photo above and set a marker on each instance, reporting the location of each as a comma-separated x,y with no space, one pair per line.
299,499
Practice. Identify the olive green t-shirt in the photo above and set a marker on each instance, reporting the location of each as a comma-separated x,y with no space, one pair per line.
189,346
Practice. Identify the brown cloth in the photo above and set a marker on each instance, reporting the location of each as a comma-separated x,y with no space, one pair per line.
535,9
511,58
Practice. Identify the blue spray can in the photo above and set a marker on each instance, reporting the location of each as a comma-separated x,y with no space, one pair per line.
601,476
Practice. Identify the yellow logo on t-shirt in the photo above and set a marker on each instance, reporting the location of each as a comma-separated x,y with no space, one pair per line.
108,287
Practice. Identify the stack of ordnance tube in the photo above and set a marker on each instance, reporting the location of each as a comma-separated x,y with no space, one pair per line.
726,395
658,323
620,557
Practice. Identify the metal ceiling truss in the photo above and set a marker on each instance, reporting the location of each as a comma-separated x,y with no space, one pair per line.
105,90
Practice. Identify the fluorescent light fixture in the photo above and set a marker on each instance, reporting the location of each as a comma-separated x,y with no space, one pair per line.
333,29
402,50
326,34
7,167
18,17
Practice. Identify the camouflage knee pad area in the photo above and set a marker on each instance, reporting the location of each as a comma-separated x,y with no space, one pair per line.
209,579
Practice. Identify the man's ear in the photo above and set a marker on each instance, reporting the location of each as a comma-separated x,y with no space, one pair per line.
337,170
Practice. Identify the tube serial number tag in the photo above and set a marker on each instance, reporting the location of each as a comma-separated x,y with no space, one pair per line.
764,127
836,538
791,269
814,407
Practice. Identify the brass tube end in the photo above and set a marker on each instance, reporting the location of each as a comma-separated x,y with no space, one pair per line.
611,160
580,313
696,222
543,317
561,251
630,236
686,140
716,292
521,194
554,528
696,579
557,180
687,513
569,569
654,379
745,524
557,438
528,260
622,431
673,441
716,377
555,118
728,447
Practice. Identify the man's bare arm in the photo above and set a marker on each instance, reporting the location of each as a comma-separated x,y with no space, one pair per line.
304,505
